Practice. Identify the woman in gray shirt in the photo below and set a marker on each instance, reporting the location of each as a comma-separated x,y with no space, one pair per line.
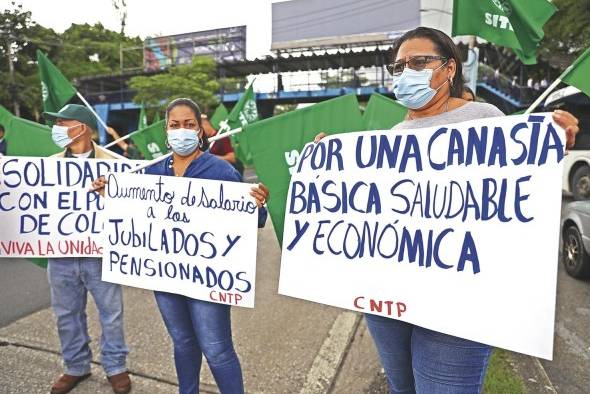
427,79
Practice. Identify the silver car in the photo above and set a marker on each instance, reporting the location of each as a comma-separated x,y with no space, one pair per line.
575,232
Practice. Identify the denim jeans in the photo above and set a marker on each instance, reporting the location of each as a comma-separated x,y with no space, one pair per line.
200,327
70,279
417,360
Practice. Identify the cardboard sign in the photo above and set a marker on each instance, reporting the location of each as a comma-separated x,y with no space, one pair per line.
454,228
187,236
46,209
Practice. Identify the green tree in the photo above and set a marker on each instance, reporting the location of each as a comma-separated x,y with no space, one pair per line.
567,33
80,51
196,80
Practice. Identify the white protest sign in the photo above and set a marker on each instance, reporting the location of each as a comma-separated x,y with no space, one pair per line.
46,209
187,236
453,228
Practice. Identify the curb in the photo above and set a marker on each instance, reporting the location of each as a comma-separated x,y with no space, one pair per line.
533,374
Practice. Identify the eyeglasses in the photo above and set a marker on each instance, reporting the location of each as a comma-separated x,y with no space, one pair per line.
417,63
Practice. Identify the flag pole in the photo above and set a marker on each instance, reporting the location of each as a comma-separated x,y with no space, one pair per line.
542,97
91,110
102,148
115,142
167,155
548,90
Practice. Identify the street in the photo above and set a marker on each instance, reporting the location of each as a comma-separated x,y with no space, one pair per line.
285,345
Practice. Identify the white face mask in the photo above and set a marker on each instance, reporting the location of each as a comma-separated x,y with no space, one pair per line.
183,141
60,136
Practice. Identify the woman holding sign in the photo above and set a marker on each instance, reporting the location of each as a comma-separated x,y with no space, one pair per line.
198,327
427,79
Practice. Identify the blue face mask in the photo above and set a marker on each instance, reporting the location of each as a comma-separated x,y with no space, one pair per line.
60,136
412,88
183,141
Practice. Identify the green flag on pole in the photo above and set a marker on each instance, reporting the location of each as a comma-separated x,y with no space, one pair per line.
55,88
382,113
242,114
27,138
151,141
275,144
219,116
514,24
142,123
578,74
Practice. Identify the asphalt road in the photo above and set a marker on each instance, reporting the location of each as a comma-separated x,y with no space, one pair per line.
23,289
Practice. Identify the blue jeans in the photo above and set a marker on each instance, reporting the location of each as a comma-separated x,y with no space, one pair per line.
70,279
200,327
417,360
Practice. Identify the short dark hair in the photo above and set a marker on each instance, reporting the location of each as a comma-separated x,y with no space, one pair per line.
444,46
468,90
1,127
183,101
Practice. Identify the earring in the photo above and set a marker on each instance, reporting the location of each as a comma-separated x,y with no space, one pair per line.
168,144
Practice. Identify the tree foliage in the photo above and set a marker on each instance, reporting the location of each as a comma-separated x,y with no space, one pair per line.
81,50
196,81
567,33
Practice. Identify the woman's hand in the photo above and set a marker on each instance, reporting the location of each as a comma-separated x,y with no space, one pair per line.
261,194
319,137
98,185
569,123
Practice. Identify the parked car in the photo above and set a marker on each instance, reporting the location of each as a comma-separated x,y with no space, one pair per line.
576,166
575,232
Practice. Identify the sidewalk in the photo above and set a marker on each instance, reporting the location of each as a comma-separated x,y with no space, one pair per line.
285,345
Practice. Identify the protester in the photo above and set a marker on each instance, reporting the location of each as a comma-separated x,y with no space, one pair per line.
221,148
3,143
129,149
468,94
427,79
71,278
198,327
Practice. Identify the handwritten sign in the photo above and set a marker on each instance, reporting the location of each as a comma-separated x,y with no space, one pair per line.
46,209
187,236
452,228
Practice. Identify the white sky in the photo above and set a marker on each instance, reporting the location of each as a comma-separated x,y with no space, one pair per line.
155,18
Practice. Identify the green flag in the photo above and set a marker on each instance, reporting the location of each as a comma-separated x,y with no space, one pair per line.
156,117
151,141
382,113
275,144
142,123
219,116
578,74
55,88
242,114
27,138
514,24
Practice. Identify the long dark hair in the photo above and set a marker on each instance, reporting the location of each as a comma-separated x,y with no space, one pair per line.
444,46
196,110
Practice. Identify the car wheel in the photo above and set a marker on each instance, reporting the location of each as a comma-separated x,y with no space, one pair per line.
581,183
575,259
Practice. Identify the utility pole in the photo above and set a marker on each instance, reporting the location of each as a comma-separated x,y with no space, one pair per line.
12,84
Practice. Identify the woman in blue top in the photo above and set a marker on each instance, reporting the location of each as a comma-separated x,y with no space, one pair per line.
198,327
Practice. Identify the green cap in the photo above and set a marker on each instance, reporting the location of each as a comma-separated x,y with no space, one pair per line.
74,112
